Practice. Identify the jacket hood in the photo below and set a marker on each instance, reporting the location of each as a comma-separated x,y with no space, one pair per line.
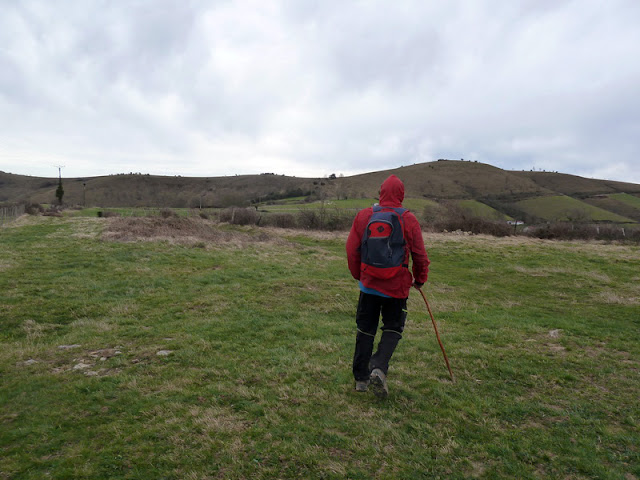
392,192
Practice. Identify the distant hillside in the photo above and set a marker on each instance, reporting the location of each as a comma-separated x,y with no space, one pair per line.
577,186
623,204
529,196
449,179
136,190
565,208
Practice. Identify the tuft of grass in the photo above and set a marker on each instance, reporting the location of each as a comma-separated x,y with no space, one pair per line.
228,356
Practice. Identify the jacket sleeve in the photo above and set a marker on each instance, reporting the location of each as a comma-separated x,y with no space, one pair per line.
419,257
353,246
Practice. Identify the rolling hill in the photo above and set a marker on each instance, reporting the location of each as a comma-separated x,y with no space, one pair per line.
530,196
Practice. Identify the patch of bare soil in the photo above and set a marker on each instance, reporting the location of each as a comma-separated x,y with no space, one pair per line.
181,230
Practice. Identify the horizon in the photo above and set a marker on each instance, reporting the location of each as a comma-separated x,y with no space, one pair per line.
337,174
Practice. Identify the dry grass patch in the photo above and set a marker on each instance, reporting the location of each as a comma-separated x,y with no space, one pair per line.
214,420
6,263
124,308
541,272
597,276
609,251
35,330
323,346
86,227
431,238
21,221
440,305
99,326
315,234
547,342
618,298
179,230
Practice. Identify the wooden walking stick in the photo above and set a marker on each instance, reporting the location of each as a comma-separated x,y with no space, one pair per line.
437,334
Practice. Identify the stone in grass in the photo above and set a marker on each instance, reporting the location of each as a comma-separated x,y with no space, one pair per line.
105,353
555,333
31,361
82,366
164,353
69,347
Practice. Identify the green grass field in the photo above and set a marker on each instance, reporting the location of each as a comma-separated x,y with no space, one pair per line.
625,198
561,208
482,210
202,353
417,205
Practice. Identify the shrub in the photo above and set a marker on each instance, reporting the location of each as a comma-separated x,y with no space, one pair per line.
324,219
451,217
167,213
34,209
280,220
338,221
107,214
562,231
475,225
308,219
240,216
569,231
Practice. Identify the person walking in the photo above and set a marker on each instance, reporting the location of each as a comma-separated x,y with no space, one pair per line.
381,240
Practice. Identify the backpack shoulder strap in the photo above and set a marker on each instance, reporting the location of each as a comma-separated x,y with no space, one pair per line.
399,210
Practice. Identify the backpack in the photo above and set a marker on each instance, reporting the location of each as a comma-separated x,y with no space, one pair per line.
382,251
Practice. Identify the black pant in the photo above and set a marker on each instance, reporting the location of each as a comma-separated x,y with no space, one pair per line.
394,315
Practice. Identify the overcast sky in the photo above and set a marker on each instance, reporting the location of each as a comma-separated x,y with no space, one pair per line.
310,88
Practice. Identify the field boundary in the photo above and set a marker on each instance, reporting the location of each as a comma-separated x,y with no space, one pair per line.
9,213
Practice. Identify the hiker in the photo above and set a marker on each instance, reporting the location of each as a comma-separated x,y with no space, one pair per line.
392,234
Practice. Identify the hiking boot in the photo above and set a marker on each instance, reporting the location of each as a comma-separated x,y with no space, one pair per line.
362,385
379,383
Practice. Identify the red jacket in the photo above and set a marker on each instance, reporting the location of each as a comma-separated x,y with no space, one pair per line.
391,195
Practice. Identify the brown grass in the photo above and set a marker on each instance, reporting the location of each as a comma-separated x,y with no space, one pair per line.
35,329
6,264
215,420
613,297
180,230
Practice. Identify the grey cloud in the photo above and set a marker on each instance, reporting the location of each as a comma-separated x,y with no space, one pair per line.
322,86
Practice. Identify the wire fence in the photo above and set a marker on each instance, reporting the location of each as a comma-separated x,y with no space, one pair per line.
10,212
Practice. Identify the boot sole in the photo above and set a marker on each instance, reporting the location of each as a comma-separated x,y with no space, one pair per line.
378,386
